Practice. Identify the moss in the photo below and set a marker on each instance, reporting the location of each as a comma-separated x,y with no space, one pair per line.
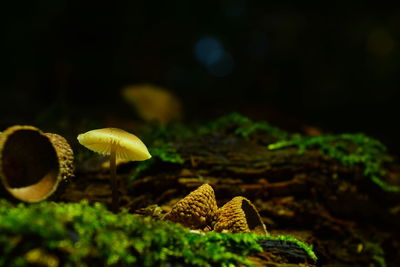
165,152
350,150
239,124
161,140
168,133
243,126
78,234
161,144
378,254
308,249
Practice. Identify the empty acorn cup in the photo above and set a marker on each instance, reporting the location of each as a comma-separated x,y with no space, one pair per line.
239,215
197,210
33,163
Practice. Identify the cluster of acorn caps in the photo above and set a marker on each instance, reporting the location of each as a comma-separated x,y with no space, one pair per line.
199,211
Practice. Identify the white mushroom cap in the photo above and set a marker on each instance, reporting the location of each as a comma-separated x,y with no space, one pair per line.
127,146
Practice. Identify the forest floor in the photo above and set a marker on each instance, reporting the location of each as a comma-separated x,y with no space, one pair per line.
338,194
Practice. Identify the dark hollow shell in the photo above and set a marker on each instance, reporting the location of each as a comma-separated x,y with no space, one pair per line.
239,215
33,163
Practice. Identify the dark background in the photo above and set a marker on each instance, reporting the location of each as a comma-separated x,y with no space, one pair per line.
335,67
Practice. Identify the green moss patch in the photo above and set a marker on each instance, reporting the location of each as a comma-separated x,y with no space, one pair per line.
242,126
161,140
378,254
290,239
350,150
162,151
79,234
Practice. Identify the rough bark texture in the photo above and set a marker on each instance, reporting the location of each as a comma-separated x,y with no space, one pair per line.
349,220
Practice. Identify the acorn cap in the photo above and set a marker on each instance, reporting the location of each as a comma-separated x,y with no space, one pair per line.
33,163
239,215
64,153
195,211
128,146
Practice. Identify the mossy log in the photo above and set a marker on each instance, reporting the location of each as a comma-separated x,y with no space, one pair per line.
350,219
79,234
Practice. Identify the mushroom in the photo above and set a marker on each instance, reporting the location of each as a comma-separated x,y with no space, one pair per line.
118,144
153,103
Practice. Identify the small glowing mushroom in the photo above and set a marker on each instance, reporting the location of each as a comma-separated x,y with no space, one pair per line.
118,144
153,103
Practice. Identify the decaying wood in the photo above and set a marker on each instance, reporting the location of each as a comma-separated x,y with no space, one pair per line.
309,196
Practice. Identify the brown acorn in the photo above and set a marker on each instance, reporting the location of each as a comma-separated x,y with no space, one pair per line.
197,210
239,215
33,163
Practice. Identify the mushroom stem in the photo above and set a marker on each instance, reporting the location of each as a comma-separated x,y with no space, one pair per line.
114,184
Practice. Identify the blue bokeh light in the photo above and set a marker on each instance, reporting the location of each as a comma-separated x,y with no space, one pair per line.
208,50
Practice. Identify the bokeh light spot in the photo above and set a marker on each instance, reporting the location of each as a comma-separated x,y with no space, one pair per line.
208,51
380,42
